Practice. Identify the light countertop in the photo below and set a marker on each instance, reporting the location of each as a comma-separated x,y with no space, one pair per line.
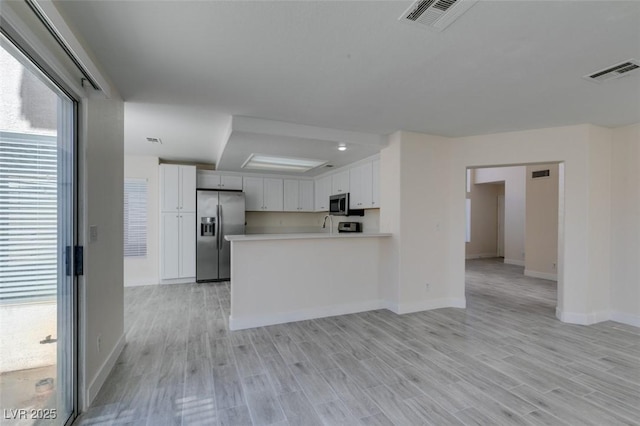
303,236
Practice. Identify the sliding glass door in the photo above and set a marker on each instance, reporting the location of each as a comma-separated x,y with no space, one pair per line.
37,235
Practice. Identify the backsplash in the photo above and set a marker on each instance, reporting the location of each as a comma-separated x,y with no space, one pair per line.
293,222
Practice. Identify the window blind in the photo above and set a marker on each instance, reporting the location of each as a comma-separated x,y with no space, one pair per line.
135,217
28,216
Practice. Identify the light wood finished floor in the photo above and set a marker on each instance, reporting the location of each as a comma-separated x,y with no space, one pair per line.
505,360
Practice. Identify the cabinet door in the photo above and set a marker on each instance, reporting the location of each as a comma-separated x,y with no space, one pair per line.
207,179
253,189
305,200
231,182
187,245
291,195
273,194
356,187
323,191
187,188
375,183
366,187
340,183
170,246
170,187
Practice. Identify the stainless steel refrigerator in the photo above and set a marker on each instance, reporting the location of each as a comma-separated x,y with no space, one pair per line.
218,213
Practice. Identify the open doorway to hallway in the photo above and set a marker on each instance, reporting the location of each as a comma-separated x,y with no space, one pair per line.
513,220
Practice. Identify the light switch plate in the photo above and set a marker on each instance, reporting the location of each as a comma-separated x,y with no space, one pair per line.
93,233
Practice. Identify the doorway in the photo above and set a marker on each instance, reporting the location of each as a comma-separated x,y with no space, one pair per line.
514,219
37,241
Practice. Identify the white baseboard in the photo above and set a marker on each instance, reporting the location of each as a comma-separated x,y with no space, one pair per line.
480,256
104,370
514,262
137,283
427,305
543,275
582,319
624,318
303,314
189,280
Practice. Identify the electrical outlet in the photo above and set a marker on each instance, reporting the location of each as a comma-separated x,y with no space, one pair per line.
554,266
99,342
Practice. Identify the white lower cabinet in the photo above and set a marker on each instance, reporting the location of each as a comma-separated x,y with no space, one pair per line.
178,245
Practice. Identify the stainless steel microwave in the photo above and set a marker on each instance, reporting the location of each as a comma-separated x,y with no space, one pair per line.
339,204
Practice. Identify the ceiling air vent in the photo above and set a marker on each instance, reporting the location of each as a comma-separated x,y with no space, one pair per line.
616,71
540,174
154,140
436,14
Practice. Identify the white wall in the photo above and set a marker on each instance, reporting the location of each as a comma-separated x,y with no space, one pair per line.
625,225
541,245
102,136
431,211
514,208
583,275
415,205
145,270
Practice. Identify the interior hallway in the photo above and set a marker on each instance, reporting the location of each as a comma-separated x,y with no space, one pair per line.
506,359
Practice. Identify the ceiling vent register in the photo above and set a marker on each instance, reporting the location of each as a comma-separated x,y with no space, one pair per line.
436,14
625,68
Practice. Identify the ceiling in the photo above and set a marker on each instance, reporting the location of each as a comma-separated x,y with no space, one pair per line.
352,65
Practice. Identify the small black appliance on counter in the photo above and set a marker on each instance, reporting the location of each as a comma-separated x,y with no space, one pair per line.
350,227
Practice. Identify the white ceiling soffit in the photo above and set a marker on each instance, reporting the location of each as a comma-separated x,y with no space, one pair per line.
280,139
436,14
626,68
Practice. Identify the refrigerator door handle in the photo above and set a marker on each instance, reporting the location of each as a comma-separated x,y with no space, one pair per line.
220,227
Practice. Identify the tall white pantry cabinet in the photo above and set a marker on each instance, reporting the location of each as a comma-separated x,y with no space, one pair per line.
178,222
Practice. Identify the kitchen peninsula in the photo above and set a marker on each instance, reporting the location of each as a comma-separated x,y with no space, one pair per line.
279,278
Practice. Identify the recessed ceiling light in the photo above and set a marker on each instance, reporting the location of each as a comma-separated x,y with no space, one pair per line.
284,164
342,147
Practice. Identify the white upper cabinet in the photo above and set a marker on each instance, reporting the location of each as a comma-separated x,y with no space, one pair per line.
263,194
291,195
322,193
178,188
209,179
231,182
340,182
298,195
306,195
360,184
253,188
273,194
375,183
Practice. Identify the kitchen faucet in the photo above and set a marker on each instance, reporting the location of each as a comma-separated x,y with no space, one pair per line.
324,224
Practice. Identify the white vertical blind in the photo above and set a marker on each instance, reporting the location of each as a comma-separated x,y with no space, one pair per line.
135,217
28,216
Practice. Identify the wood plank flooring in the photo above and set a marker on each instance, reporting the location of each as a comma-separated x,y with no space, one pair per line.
505,360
